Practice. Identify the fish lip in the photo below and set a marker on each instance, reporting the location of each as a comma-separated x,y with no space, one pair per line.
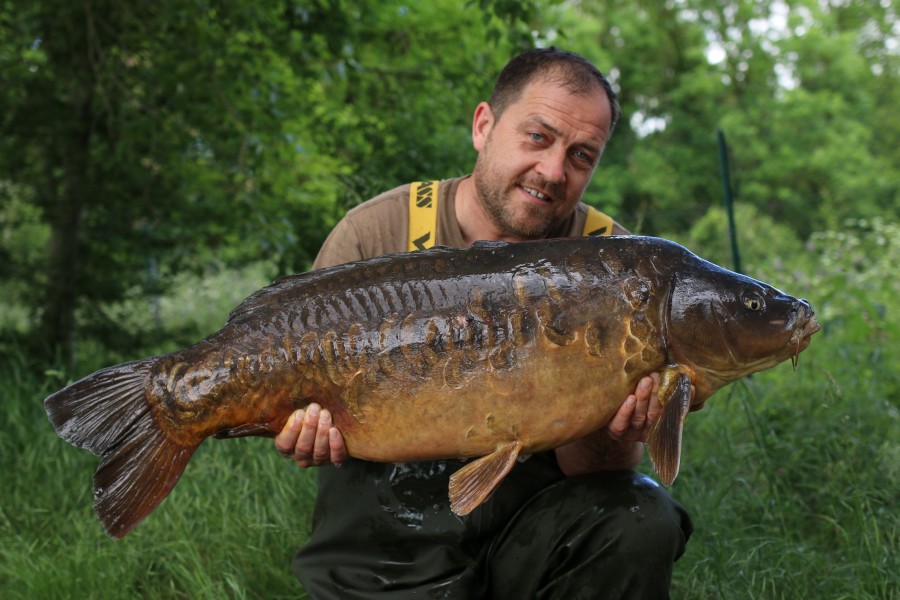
813,325
806,330
802,336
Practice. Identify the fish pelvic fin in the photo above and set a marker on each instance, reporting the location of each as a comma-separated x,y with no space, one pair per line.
474,483
665,437
107,413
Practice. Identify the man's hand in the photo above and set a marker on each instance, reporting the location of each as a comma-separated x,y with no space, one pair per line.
310,439
638,414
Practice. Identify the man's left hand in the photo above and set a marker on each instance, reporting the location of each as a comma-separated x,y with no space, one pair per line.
639,412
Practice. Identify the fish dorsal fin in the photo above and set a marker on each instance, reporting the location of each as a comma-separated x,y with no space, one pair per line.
474,483
287,289
665,437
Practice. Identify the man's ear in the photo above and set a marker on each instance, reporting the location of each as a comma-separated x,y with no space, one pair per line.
482,123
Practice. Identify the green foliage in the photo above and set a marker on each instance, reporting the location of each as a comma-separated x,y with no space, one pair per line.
760,239
193,307
23,237
857,280
803,97
159,139
793,476
811,152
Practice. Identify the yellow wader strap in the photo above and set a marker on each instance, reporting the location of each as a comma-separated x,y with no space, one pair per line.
597,223
423,200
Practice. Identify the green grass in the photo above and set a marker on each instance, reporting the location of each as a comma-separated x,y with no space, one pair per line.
793,482
792,479
228,530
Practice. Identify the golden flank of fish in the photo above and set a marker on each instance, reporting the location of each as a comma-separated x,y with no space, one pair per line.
498,350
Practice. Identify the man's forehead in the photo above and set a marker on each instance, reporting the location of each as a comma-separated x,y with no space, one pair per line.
544,89
556,108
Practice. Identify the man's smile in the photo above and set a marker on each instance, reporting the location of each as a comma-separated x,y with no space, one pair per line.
536,194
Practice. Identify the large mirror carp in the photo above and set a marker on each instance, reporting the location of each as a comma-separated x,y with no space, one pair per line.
490,352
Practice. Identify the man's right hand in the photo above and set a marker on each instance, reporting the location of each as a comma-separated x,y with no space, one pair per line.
310,439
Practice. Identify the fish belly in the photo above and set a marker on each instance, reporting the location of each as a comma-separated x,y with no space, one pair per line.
551,396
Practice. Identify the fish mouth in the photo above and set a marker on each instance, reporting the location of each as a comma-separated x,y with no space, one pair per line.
802,336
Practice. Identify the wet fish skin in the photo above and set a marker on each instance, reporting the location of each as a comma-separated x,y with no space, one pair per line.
487,352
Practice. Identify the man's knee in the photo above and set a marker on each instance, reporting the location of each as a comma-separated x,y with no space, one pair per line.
620,529
645,520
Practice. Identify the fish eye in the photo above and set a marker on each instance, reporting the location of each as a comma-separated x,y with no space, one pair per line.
754,302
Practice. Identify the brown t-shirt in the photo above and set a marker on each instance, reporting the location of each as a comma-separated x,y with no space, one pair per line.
381,226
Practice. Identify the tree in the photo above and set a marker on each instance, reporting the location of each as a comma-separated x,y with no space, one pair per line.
803,90
154,138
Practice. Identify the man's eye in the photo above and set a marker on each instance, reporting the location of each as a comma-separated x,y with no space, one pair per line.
537,137
584,156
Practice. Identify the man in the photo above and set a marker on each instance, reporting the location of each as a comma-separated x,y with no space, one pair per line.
576,522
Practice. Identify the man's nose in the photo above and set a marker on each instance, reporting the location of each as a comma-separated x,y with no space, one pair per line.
552,166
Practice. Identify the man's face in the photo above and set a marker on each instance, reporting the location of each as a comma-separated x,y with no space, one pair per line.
536,160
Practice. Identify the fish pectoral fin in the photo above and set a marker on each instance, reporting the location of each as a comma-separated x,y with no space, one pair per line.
474,483
665,437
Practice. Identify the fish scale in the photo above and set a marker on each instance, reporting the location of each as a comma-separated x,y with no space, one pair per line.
489,353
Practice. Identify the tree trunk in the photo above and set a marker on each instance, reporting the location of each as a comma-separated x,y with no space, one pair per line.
68,207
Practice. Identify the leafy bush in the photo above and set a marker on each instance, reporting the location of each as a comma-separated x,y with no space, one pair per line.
857,278
760,238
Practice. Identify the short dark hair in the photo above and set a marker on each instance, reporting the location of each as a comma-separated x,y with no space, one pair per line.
574,72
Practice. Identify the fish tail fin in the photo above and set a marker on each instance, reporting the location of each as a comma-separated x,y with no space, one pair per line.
108,414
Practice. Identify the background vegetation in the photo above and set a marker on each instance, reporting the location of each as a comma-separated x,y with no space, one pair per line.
160,161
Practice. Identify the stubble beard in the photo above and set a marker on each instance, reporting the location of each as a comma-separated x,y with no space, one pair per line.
539,222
